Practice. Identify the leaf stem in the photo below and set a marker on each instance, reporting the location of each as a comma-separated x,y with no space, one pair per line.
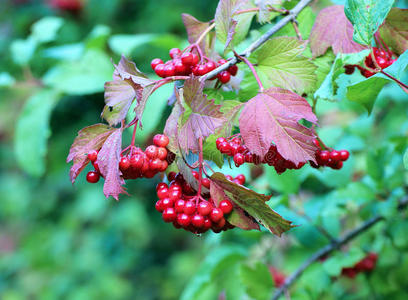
204,33
395,79
296,27
200,167
132,143
251,67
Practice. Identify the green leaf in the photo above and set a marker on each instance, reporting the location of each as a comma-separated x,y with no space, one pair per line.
46,29
126,43
281,64
257,280
210,151
324,64
394,31
23,50
406,159
366,17
32,131
208,269
254,204
6,79
328,88
85,76
305,19
366,90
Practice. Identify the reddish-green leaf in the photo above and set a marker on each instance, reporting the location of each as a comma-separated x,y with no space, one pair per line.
237,217
253,203
273,116
194,29
394,31
230,27
201,118
108,162
333,29
119,95
127,69
88,139
171,127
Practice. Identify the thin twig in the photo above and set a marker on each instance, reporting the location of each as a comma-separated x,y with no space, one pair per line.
395,79
259,42
331,247
296,27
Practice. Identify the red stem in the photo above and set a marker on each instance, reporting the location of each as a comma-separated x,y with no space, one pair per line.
200,168
395,79
132,143
251,67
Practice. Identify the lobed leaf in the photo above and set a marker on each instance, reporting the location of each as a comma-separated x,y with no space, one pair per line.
194,29
366,17
333,29
88,139
108,163
394,30
281,64
273,116
253,203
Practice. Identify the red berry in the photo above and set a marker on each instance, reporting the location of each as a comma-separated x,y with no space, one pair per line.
189,208
225,148
93,155
233,70
224,76
226,206
349,69
124,163
220,224
207,223
204,208
216,214
161,140
210,65
180,68
159,70
195,174
219,141
206,182
199,70
174,52
137,161
183,220
179,205
187,58
241,178
169,214
229,177
175,195
171,176
161,153
163,193
169,70
155,164
335,155
92,177
196,59
324,156
175,187
155,62
151,152
161,185
344,155
159,206
382,62
222,61
197,221
239,159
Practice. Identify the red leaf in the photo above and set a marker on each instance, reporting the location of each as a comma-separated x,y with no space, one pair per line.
108,162
394,31
333,29
119,95
237,217
204,116
88,139
273,116
194,29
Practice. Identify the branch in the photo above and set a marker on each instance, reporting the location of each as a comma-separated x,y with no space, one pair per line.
259,42
331,247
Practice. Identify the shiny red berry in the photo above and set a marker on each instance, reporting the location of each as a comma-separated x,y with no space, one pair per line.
175,195
187,58
161,185
189,208
241,178
183,220
163,193
159,206
206,182
124,163
92,177
179,205
204,208
151,152
155,62
161,140
169,214
233,70
239,159
174,52
216,214
93,155
196,59
226,206
197,221
137,161
344,155
224,76
159,70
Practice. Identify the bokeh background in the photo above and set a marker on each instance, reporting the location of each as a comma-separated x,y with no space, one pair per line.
59,241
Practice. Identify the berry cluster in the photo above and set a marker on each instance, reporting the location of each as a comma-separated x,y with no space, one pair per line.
277,276
382,58
194,213
137,163
187,63
333,158
239,152
367,264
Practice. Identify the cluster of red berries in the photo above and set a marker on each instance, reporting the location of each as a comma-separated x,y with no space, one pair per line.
240,154
367,264
187,63
382,58
137,163
195,213
333,158
277,276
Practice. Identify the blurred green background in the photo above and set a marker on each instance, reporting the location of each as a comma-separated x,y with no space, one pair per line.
59,241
